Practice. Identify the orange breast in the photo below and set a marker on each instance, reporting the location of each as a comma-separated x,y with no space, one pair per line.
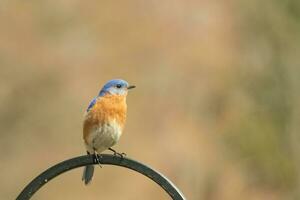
107,108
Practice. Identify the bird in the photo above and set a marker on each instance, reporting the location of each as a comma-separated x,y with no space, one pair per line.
104,121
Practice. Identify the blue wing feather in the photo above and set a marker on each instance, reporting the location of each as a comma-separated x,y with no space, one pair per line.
92,103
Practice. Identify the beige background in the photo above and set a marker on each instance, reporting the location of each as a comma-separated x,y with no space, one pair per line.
216,108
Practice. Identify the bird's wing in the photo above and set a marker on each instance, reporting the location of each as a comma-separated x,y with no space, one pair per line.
92,103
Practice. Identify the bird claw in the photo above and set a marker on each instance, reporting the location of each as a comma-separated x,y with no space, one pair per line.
122,155
98,157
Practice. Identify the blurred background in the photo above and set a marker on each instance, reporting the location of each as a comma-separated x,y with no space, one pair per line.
216,108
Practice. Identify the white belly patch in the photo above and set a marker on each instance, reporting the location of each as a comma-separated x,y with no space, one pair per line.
103,137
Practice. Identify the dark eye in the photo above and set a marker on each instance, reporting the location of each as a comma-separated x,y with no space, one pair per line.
118,85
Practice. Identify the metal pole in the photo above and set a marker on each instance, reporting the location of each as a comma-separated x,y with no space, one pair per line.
81,161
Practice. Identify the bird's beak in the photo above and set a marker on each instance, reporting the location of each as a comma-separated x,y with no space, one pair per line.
130,87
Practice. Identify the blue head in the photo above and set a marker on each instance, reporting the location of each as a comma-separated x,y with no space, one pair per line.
115,87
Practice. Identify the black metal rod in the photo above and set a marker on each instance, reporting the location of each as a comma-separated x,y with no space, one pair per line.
81,161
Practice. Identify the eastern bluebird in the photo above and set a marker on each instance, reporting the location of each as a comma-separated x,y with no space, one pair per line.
104,121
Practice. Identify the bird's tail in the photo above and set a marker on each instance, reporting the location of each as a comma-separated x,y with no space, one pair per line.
88,174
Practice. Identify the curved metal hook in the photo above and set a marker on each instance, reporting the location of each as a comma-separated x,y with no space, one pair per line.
81,161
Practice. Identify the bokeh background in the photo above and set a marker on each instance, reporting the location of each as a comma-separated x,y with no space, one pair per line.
216,108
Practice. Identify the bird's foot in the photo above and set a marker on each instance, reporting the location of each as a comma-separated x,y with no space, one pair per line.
98,158
122,155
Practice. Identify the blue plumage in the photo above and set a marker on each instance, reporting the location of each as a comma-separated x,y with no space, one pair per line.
92,103
115,86
104,121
